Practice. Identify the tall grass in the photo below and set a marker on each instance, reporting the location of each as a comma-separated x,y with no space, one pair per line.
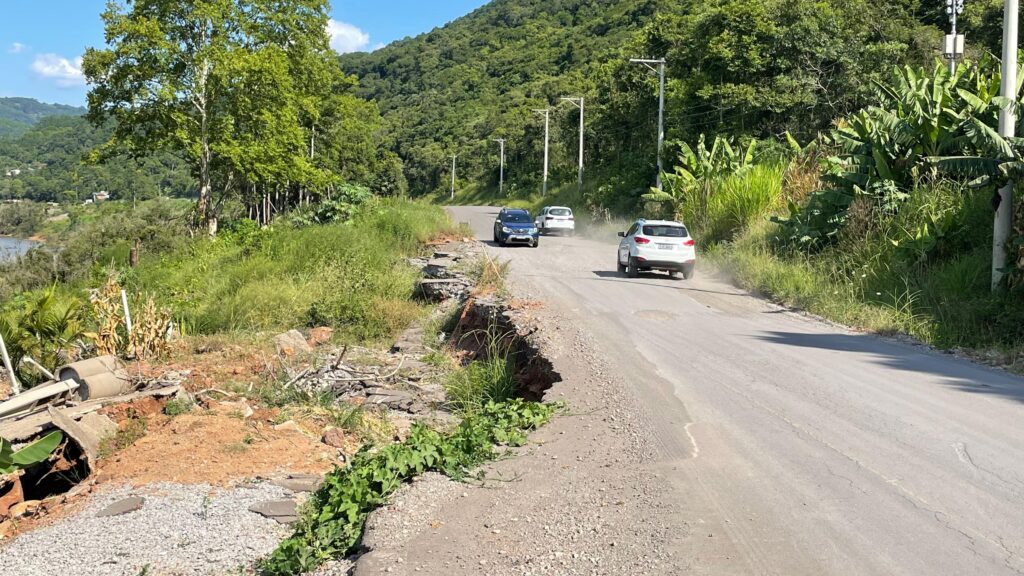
488,379
351,276
923,272
739,200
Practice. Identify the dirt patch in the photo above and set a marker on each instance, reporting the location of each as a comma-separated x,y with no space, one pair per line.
216,449
213,363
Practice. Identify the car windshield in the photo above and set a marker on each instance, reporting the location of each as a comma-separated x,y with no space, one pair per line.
665,231
560,212
517,218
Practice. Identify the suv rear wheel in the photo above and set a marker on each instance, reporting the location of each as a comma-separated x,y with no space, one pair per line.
688,271
632,270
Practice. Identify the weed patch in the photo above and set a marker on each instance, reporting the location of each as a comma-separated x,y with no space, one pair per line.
332,522
130,433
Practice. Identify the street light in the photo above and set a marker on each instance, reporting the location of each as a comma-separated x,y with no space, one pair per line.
954,43
658,67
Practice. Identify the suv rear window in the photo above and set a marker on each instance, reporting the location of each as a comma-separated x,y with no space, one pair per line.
517,218
560,212
665,231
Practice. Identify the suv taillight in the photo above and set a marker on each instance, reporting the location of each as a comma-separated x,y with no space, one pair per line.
641,240
689,242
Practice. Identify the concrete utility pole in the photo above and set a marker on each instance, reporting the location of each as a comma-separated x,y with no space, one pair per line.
578,102
954,44
501,170
1007,124
547,123
660,71
454,156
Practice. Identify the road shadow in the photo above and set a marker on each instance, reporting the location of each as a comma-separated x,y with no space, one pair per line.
680,284
956,373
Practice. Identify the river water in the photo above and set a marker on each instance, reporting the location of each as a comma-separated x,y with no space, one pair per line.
11,248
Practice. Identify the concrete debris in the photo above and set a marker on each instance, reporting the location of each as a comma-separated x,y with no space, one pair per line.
441,289
122,507
87,438
299,482
283,511
291,343
99,424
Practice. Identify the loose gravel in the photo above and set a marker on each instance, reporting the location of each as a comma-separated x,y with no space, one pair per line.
181,530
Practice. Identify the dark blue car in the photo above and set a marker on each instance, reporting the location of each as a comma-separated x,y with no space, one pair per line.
515,226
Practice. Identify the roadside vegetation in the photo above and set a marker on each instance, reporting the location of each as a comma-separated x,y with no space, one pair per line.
883,224
332,521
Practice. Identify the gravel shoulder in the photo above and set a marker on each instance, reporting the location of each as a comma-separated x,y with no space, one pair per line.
180,530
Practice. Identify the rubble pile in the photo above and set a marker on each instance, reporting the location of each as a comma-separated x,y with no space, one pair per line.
442,278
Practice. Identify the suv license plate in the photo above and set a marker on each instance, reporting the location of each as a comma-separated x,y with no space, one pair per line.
664,246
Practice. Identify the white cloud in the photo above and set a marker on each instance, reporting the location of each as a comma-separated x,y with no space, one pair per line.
346,37
66,73
16,48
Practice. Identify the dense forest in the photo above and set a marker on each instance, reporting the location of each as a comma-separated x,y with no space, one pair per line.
740,67
50,160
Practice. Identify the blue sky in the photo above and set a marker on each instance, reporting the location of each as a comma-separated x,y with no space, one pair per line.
42,40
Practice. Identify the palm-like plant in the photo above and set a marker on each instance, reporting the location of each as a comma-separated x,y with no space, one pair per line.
45,329
692,181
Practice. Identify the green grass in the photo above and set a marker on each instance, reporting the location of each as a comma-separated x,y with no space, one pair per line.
923,272
351,276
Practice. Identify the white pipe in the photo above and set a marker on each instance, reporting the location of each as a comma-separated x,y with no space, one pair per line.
127,313
15,387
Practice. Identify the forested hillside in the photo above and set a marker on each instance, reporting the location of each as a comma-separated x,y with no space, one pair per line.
451,90
742,67
50,158
17,115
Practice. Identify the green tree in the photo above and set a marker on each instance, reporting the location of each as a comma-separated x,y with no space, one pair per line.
234,86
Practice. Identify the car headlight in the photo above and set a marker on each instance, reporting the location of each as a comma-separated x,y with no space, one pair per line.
533,230
506,229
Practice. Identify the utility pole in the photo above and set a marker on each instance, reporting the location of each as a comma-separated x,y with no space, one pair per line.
954,44
578,102
660,71
501,170
454,156
1007,124
547,123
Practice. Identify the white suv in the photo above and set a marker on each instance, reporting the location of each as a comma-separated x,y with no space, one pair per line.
657,245
556,219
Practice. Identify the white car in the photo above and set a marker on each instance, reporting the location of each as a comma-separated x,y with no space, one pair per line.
556,219
657,245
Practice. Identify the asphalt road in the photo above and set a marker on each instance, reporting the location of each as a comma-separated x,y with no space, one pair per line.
805,448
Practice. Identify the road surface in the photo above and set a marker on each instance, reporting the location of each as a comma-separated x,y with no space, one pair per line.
815,449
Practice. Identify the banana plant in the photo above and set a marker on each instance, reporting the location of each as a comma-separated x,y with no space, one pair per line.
30,455
925,125
694,177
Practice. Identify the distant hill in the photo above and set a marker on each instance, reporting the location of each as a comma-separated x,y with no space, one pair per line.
17,115
454,88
